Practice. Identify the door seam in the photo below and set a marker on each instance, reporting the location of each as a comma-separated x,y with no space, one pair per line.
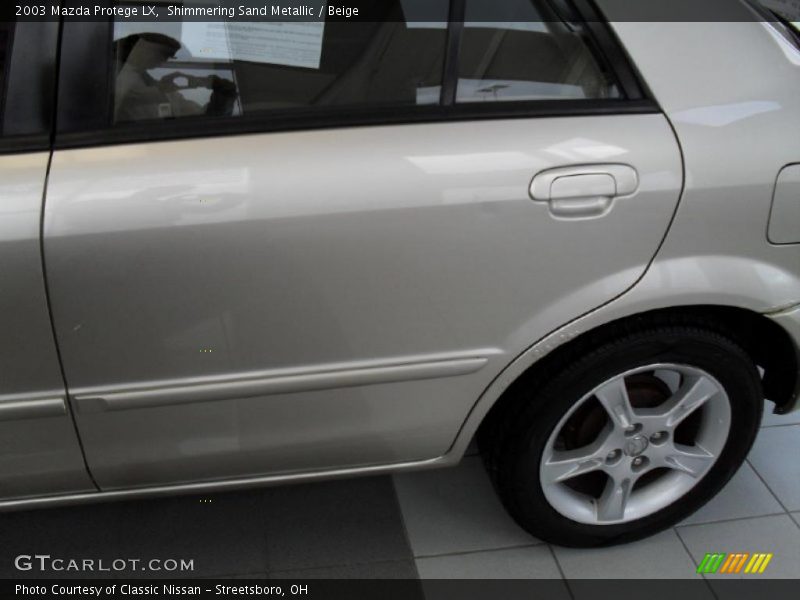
48,304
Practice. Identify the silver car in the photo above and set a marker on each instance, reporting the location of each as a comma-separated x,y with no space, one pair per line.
235,254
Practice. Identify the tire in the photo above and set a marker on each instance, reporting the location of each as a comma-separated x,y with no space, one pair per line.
546,452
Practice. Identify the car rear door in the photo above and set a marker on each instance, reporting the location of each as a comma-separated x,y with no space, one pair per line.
320,259
39,450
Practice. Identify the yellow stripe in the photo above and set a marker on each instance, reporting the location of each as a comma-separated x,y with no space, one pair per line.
765,563
741,562
728,562
757,564
751,564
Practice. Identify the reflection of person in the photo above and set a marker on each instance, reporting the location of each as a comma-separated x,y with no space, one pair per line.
138,95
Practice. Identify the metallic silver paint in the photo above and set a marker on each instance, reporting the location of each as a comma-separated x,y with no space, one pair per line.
261,249
585,191
282,381
732,92
310,249
624,178
19,408
39,451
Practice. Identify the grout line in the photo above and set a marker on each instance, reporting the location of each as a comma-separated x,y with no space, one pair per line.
463,552
561,571
694,562
777,514
783,506
780,425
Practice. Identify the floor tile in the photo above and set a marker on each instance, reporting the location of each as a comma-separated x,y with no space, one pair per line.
455,510
534,562
729,504
777,534
770,419
404,569
660,556
335,523
225,535
774,458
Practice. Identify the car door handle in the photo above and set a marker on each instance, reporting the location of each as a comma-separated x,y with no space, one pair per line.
585,190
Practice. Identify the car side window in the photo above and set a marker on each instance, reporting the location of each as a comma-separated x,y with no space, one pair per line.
178,69
528,50
6,32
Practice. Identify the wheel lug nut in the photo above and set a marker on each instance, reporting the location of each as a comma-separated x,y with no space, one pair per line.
633,429
637,461
658,436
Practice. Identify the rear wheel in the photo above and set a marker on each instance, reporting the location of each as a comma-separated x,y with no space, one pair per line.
629,439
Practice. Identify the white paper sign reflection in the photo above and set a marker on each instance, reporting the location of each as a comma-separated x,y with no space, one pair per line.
290,44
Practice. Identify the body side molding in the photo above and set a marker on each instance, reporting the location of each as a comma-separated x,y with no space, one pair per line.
16,408
282,381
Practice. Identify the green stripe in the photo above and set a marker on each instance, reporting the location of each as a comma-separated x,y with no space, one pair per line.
713,568
701,568
711,562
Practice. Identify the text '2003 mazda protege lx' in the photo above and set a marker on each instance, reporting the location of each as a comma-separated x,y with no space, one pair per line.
349,247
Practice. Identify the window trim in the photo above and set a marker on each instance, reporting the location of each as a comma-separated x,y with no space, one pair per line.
84,94
34,52
82,117
6,68
614,52
769,15
455,27
202,126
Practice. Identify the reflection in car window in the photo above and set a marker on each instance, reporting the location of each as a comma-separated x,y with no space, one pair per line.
524,50
178,69
151,84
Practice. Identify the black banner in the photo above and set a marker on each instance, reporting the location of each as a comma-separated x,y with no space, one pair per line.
391,589
382,10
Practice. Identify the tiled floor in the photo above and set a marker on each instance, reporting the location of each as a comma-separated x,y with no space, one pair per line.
433,524
454,517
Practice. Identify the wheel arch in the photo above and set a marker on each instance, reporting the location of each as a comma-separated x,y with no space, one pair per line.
766,342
